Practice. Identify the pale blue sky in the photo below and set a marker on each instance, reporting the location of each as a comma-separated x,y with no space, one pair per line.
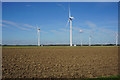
60,0
98,19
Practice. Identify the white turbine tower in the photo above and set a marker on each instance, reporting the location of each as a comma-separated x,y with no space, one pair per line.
116,39
81,42
70,20
81,39
38,33
89,40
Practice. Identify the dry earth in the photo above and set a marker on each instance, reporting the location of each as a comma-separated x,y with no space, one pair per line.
59,62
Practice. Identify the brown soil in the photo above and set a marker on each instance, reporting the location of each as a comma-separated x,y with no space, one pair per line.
62,62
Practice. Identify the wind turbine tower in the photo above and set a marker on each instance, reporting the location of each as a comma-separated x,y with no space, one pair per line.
81,42
89,40
116,39
38,33
80,35
70,20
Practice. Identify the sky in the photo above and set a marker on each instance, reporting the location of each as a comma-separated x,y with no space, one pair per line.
60,0
96,19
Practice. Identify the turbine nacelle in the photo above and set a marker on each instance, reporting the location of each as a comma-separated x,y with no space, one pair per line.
71,18
38,29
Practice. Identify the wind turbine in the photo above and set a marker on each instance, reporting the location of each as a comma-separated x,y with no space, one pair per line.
81,42
89,40
81,39
116,39
38,33
70,20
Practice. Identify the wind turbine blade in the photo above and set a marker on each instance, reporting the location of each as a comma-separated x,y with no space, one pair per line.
69,12
37,29
67,22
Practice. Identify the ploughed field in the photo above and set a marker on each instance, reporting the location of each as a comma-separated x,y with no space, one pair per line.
59,62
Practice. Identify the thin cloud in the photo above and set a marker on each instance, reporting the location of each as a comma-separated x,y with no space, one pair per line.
27,25
10,22
4,25
95,28
108,31
15,24
25,29
91,25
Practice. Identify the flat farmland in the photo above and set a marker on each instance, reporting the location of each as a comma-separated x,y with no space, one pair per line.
59,62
